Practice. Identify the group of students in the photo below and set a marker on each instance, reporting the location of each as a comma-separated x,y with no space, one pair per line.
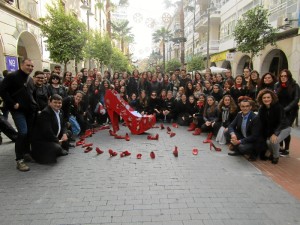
220,105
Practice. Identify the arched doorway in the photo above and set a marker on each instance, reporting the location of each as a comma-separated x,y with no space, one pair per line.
226,64
28,48
244,62
274,62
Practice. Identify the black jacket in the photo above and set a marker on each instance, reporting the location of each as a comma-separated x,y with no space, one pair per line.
273,120
253,128
17,87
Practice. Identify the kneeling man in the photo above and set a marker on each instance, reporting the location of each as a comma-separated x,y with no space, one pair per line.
244,132
50,134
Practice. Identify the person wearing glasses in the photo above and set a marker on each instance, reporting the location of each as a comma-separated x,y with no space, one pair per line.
16,91
55,87
40,92
244,132
288,95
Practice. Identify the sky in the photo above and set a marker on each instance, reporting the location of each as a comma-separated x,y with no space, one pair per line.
145,16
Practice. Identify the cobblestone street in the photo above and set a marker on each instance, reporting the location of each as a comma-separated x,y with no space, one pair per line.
86,188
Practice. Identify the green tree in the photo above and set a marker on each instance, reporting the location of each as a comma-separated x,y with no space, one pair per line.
66,36
99,48
119,61
195,63
172,65
162,35
253,32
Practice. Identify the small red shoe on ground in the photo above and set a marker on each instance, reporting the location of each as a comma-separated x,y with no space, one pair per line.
175,152
175,125
192,127
169,130
79,143
125,153
155,137
162,126
127,138
99,151
87,145
195,151
104,127
88,149
112,153
197,131
139,156
172,134
152,155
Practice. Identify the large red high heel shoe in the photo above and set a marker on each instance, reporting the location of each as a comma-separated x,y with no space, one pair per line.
169,130
197,131
211,144
152,155
88,149
117,106
208,138
192,127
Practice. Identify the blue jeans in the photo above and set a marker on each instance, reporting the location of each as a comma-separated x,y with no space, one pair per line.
24,124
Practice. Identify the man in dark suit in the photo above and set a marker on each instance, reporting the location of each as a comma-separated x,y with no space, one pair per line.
244,132
50,138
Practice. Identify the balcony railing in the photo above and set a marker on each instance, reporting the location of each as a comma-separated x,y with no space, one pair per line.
213,47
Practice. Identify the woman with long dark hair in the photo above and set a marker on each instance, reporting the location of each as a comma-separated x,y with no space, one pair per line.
227,112
268,81
288,95
238,89
275,126
210,115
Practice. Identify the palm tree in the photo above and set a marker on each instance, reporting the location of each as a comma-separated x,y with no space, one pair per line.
180,5
162,35
122,32
109,7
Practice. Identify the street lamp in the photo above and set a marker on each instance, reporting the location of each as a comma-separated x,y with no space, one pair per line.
85,6
210,7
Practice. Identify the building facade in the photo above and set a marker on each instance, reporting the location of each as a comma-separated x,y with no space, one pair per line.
21,37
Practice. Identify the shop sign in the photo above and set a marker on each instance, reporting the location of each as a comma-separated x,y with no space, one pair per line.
11,63
218,57
229,56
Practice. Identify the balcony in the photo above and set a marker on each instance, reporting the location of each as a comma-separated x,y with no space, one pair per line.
213,47
201,20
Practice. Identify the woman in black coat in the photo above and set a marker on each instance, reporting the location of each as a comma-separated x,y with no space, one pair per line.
210,114
275,126
288,95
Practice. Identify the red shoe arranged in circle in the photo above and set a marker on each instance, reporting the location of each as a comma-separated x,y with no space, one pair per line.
127,138
208,138
155,137
152,155
172,134
139,156
119,137
162,126
169,130
99,151
88,149
175,152
175,125
112,153
125,153
195,151
197,131
87,145
81,142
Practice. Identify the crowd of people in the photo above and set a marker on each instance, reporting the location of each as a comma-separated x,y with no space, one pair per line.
249,112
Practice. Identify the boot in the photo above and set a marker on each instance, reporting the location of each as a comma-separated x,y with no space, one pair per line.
197,131
192,127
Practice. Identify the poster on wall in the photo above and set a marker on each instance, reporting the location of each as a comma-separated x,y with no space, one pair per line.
11,63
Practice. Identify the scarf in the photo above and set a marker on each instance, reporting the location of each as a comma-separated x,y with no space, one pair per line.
225,114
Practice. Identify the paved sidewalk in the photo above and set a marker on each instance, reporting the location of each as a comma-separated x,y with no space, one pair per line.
83,188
